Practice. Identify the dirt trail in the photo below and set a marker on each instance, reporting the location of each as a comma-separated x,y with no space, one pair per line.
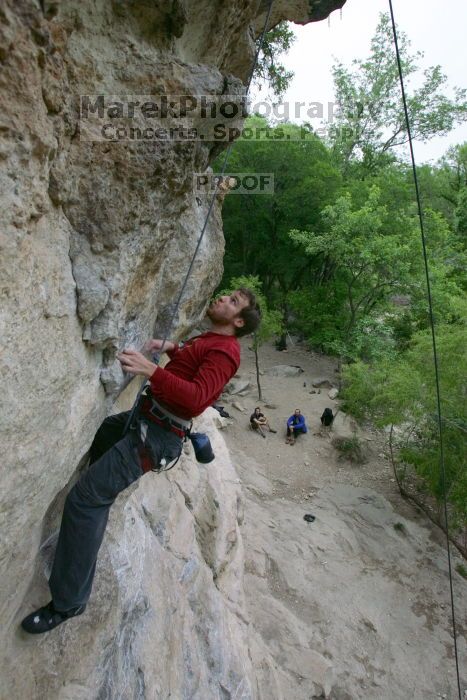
356,603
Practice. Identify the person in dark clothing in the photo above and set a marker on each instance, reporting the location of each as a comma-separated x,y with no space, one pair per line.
184,388
327,417
295,425
258,421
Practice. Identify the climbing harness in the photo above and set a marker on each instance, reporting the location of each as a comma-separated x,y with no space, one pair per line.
433,335
160,416
203,230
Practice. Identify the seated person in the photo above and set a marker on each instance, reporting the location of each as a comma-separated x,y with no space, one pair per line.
327,417
295,425
258,421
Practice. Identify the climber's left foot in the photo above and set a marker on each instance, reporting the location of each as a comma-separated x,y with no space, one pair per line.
46,618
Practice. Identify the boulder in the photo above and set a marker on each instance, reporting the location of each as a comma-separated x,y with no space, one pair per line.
284,371
235,386
323,382
221,422
333,393
344,425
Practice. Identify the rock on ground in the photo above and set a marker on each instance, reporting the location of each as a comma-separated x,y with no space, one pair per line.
236,386
322,382
283,371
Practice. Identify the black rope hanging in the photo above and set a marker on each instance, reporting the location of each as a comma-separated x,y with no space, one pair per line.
433,335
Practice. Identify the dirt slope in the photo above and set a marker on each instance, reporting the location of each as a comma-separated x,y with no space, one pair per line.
355,604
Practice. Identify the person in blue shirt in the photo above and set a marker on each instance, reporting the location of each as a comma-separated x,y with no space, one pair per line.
295,425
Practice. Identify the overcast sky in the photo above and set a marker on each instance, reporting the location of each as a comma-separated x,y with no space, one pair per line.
439,30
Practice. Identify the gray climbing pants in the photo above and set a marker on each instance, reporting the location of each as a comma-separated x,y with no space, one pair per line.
114,465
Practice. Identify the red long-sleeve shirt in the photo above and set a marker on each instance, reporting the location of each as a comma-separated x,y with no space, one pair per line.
196,374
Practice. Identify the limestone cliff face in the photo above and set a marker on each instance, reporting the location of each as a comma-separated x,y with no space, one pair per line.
95,240
167,618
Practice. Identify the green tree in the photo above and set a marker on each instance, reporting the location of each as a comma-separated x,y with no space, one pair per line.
256,225
269,69
271,323
461,214
368,263
454,164
400,391
371,121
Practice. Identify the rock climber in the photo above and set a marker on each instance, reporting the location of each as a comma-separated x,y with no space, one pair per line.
295,425
190,382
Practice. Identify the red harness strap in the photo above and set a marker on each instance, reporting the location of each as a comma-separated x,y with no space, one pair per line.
164,422
145,459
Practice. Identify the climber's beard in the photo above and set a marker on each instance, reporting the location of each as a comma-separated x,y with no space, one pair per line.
215,314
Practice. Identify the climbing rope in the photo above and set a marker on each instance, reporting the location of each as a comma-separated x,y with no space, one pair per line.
433,334
203,230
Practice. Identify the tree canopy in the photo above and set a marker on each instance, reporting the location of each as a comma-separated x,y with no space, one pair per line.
371,121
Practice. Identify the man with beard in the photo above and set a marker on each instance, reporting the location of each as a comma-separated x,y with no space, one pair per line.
193,379
295,425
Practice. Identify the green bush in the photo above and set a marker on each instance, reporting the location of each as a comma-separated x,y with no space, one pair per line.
350,448
401,391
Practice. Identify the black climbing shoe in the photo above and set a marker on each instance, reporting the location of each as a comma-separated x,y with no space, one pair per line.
46,618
